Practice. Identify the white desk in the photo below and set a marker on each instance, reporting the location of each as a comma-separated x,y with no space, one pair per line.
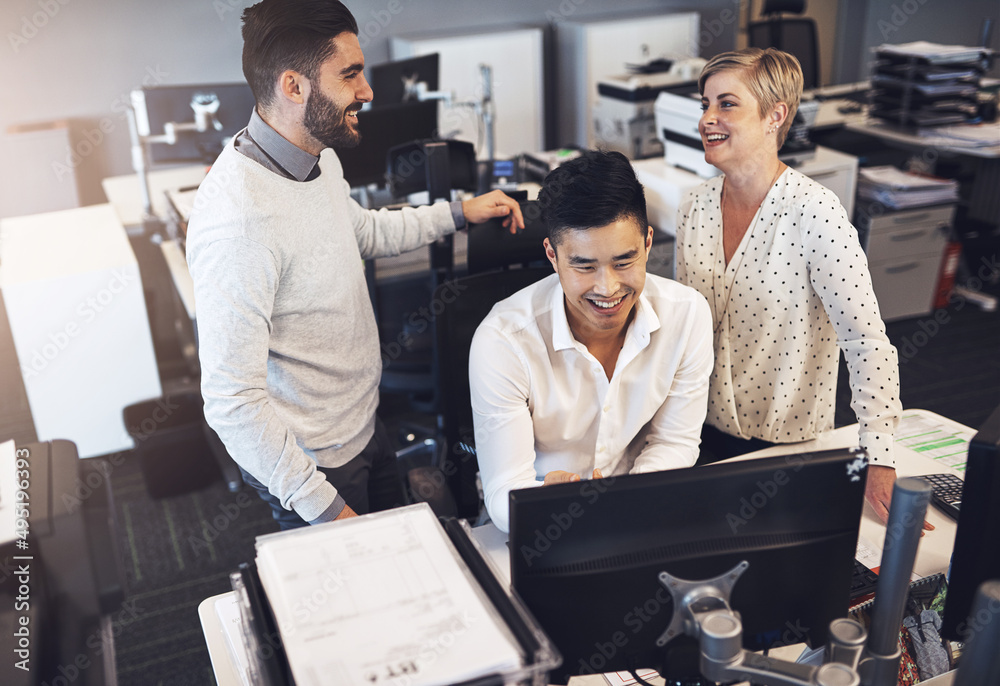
123,191
933,553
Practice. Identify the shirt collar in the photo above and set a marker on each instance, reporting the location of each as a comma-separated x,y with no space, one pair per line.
285,154
643,323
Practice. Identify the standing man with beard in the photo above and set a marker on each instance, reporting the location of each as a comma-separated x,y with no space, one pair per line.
287,337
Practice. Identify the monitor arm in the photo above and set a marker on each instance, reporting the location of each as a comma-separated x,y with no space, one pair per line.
702,610
204,105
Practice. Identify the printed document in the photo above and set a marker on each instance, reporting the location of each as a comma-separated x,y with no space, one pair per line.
383,599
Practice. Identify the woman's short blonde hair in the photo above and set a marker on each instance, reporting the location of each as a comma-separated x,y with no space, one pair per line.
771,75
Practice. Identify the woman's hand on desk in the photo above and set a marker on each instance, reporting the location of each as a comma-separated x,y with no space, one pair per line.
878,492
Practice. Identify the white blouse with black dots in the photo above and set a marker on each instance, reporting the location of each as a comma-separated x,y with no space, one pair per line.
796,288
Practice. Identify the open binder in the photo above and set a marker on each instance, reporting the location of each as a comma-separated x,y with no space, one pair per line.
390,598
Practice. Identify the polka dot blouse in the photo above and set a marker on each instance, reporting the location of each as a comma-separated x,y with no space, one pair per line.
795,290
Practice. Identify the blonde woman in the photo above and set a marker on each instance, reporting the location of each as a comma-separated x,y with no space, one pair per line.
779,262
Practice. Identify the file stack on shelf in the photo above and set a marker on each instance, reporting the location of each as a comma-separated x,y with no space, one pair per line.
925,84
386,599
898,189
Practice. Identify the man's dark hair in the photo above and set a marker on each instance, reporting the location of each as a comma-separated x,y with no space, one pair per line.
595,189
289,34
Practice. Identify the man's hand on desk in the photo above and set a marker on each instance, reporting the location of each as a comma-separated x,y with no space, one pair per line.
560,477
878,492
346,513
491,205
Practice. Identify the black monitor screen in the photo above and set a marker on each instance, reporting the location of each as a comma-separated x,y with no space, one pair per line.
395,82
976,557
381,129
156,106
585,556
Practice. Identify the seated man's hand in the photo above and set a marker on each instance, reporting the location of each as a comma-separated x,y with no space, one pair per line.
878,492
560,477
346,513
494,204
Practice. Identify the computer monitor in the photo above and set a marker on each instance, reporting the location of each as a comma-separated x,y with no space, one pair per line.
224,108
976,555
383,128
396,82
585,556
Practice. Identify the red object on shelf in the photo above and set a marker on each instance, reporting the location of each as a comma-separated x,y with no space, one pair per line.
946,276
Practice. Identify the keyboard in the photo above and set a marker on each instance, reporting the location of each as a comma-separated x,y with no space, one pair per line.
863,581
946,493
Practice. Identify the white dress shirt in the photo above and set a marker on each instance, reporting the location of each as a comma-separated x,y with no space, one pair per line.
796,288
542,402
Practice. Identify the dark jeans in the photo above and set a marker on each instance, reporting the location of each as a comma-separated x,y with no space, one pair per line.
717,445
369,482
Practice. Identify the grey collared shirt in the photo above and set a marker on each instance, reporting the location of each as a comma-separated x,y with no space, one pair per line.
261,143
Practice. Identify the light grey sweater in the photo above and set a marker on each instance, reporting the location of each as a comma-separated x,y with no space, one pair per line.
288,343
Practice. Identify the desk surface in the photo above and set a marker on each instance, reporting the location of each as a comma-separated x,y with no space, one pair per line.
933,553
945,138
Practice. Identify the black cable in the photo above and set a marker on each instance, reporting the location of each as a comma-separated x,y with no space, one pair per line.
638,679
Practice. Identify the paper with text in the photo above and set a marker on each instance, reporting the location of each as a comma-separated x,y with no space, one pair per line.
942,442
381,600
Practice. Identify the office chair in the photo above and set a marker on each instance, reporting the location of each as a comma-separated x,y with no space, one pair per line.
469,300
793,35
409,370
493,247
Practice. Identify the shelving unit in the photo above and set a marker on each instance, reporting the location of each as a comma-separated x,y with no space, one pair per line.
922,85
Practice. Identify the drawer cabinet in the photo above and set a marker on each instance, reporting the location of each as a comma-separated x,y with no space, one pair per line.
904,256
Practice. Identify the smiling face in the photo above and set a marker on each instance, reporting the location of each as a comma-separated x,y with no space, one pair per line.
732,129
602,272
336,95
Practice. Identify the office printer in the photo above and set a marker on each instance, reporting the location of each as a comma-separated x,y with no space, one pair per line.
623,115
677,116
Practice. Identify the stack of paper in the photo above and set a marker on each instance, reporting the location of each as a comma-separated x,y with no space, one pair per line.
899,189
381,599
935,53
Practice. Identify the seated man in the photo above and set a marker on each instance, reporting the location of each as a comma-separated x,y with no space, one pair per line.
598,369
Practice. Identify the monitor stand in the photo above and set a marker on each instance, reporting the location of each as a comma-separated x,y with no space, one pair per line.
702,610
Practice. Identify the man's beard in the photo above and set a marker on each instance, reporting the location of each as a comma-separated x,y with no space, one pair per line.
328,124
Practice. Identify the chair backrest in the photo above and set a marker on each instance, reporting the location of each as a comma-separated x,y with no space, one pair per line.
795,36
491,246
463,304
